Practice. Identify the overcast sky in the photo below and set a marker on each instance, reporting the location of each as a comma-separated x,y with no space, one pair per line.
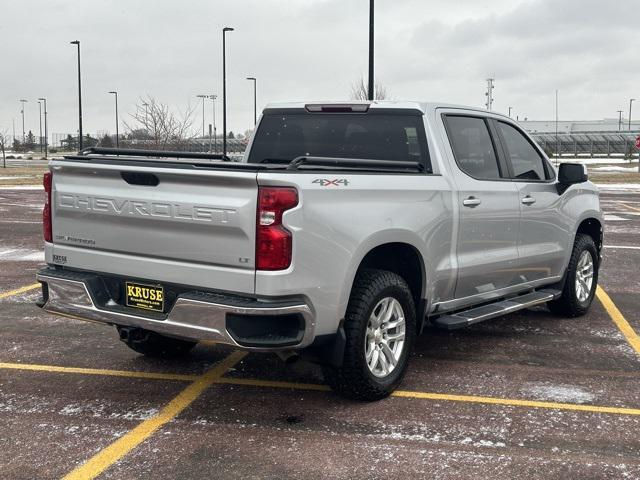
440,50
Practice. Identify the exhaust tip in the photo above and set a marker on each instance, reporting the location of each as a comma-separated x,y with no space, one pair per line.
288,357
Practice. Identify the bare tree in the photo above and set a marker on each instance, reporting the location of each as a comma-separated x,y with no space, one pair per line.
163,129
360,91
4,140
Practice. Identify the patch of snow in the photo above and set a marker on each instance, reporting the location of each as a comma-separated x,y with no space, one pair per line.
609,217
21,187
616,169
594,161
21,255
616,186
558,393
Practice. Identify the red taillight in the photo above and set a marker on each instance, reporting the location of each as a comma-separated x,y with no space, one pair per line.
46,211
273,241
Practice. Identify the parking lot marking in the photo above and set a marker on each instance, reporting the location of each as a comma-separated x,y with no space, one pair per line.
222,380
618,319
98,371
629,206
18,291
624,247
512,402
118,449
272,384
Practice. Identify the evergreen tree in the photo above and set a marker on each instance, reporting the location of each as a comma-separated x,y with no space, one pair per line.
30,142
70,142
106,141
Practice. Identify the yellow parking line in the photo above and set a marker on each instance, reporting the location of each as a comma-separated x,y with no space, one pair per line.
98,371
118,449
516,402
629,206
20,290
272,384
443,396
618,319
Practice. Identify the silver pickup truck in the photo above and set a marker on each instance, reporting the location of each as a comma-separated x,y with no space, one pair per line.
343,232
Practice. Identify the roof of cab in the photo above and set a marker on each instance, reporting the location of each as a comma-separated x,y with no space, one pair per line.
424,107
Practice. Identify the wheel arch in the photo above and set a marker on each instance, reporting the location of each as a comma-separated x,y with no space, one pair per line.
592,226
400,257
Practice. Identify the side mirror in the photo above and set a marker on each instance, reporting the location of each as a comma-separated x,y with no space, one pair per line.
570,174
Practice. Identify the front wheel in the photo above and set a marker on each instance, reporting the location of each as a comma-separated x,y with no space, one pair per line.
581,280
380,329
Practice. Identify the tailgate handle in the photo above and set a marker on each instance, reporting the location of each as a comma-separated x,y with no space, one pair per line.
140,178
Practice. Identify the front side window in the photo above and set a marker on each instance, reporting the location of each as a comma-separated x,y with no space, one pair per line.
526,161
281,137
472,147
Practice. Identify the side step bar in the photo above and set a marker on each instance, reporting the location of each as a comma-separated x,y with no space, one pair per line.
493,310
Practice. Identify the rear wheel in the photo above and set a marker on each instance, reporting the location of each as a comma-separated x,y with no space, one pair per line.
582,279
153,344
380,328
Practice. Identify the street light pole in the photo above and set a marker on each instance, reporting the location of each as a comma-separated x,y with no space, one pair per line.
117,121
46,129
213,111
203,132
40,118
557,138
370,89
619,120
630,105
224,89
255,115
146,116
510,108
77,43
23,101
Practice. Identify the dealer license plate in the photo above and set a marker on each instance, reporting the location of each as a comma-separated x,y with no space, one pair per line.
146,297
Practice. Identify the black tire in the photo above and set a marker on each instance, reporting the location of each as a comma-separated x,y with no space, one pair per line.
153,344
568,304
354,379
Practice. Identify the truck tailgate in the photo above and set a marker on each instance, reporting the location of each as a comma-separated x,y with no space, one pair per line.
191,226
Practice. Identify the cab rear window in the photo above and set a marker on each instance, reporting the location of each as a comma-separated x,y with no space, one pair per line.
281,137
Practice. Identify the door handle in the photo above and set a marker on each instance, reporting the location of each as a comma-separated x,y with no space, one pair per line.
528,200
471,201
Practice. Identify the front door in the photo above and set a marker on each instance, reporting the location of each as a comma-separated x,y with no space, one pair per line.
544,235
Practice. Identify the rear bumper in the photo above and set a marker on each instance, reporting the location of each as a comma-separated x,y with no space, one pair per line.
249,323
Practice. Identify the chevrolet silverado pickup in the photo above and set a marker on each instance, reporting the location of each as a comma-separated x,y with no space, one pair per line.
346,229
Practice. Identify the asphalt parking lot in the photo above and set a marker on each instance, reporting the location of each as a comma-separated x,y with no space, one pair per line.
526,396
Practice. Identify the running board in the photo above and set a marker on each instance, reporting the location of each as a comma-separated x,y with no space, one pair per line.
493,310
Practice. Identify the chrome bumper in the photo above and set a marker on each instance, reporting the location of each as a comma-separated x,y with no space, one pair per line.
68,294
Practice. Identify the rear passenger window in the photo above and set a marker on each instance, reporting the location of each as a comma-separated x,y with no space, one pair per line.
472,147
526,161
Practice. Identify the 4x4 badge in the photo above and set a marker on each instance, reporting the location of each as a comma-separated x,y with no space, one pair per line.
331,182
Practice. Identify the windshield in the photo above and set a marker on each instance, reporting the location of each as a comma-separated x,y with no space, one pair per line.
284,136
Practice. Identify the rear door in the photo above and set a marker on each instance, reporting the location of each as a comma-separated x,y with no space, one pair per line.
487,250
191,226
543,236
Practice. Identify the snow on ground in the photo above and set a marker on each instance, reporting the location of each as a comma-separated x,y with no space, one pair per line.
558,393
21,187
11,178
618,186
612,218
21,255
591,161
616,169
